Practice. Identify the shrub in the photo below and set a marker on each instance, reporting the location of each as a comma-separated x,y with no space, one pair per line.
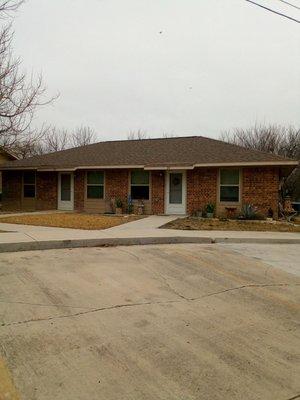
210,208
119,203
250,212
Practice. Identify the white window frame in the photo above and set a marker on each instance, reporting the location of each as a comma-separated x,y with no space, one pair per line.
232,184
140,184
95,184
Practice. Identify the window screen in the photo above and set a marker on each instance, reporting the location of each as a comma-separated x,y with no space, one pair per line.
95,185
140,185
229,185
29,184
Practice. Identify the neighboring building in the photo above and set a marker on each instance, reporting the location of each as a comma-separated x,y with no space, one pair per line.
4,157
173,176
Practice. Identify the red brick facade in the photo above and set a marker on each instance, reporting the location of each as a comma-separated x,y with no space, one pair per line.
117,184
157,192
46,190
201,188
79,187
259,186
11,190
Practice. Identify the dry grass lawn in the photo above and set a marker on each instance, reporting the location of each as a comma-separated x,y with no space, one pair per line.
230,225
70,220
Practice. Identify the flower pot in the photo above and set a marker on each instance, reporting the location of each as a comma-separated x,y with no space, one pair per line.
209,215
140,209
118,210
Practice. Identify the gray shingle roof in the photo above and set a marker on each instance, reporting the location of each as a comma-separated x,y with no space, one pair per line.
177,151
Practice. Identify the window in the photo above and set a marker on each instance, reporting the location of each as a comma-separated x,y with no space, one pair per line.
29,185
65,187
95,185
140,185
229,185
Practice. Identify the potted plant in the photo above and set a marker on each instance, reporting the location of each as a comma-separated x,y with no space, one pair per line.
140,207
210,209
198,213
119,205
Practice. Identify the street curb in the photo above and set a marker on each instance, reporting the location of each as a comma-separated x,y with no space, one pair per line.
112,242
257,240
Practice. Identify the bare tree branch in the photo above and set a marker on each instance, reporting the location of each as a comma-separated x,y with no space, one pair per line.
83,136
137,135
20,95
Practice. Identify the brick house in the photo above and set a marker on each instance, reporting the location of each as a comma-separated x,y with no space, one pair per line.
4,157
168,176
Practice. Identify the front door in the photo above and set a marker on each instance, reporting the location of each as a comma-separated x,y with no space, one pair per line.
176,192
65,191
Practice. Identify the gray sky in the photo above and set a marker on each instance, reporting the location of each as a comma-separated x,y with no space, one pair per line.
216,65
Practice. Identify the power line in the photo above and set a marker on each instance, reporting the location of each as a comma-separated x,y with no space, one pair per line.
273,11
290,4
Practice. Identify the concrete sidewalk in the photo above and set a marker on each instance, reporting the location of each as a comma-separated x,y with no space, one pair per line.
143,231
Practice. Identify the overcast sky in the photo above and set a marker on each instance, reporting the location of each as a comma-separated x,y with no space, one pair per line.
183,67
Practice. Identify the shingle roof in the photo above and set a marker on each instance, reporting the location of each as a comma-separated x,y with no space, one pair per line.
166,152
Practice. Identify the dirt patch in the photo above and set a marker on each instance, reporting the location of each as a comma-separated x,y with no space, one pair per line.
71,220
230,225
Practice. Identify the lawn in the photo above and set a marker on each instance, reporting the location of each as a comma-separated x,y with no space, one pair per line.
215,224
71,220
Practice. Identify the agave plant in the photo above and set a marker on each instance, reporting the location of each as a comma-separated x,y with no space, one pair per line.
249,211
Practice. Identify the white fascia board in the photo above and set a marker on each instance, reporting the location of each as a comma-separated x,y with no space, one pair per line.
249,164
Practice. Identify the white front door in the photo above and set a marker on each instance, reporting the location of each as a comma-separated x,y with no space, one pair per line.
65,191
176,192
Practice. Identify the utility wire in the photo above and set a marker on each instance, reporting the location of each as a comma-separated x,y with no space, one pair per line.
273,11
290,4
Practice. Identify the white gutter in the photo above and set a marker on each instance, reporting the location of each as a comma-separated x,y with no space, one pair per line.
250,164
164,167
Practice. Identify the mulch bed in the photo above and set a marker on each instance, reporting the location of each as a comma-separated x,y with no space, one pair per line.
190,223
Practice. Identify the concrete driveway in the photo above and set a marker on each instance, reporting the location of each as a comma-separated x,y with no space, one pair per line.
148,322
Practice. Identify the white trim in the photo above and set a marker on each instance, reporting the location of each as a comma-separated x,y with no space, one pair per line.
177,168
140,184
163,167
179,209
111,167
239,185
62,204
94,184
245,164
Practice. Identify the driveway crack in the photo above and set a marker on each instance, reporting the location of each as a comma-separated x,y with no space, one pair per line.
42,304
253,285
129,305
90,311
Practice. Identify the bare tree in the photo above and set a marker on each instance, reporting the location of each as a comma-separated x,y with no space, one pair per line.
137,135
83,136
271,138
6,6
167,135
55,140
20,95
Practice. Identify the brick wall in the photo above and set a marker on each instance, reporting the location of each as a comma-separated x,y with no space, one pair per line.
260,188
46,190
116,186
157,192
201,188
11,190
79,188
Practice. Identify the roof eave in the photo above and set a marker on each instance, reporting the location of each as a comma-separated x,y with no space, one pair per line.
157,167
